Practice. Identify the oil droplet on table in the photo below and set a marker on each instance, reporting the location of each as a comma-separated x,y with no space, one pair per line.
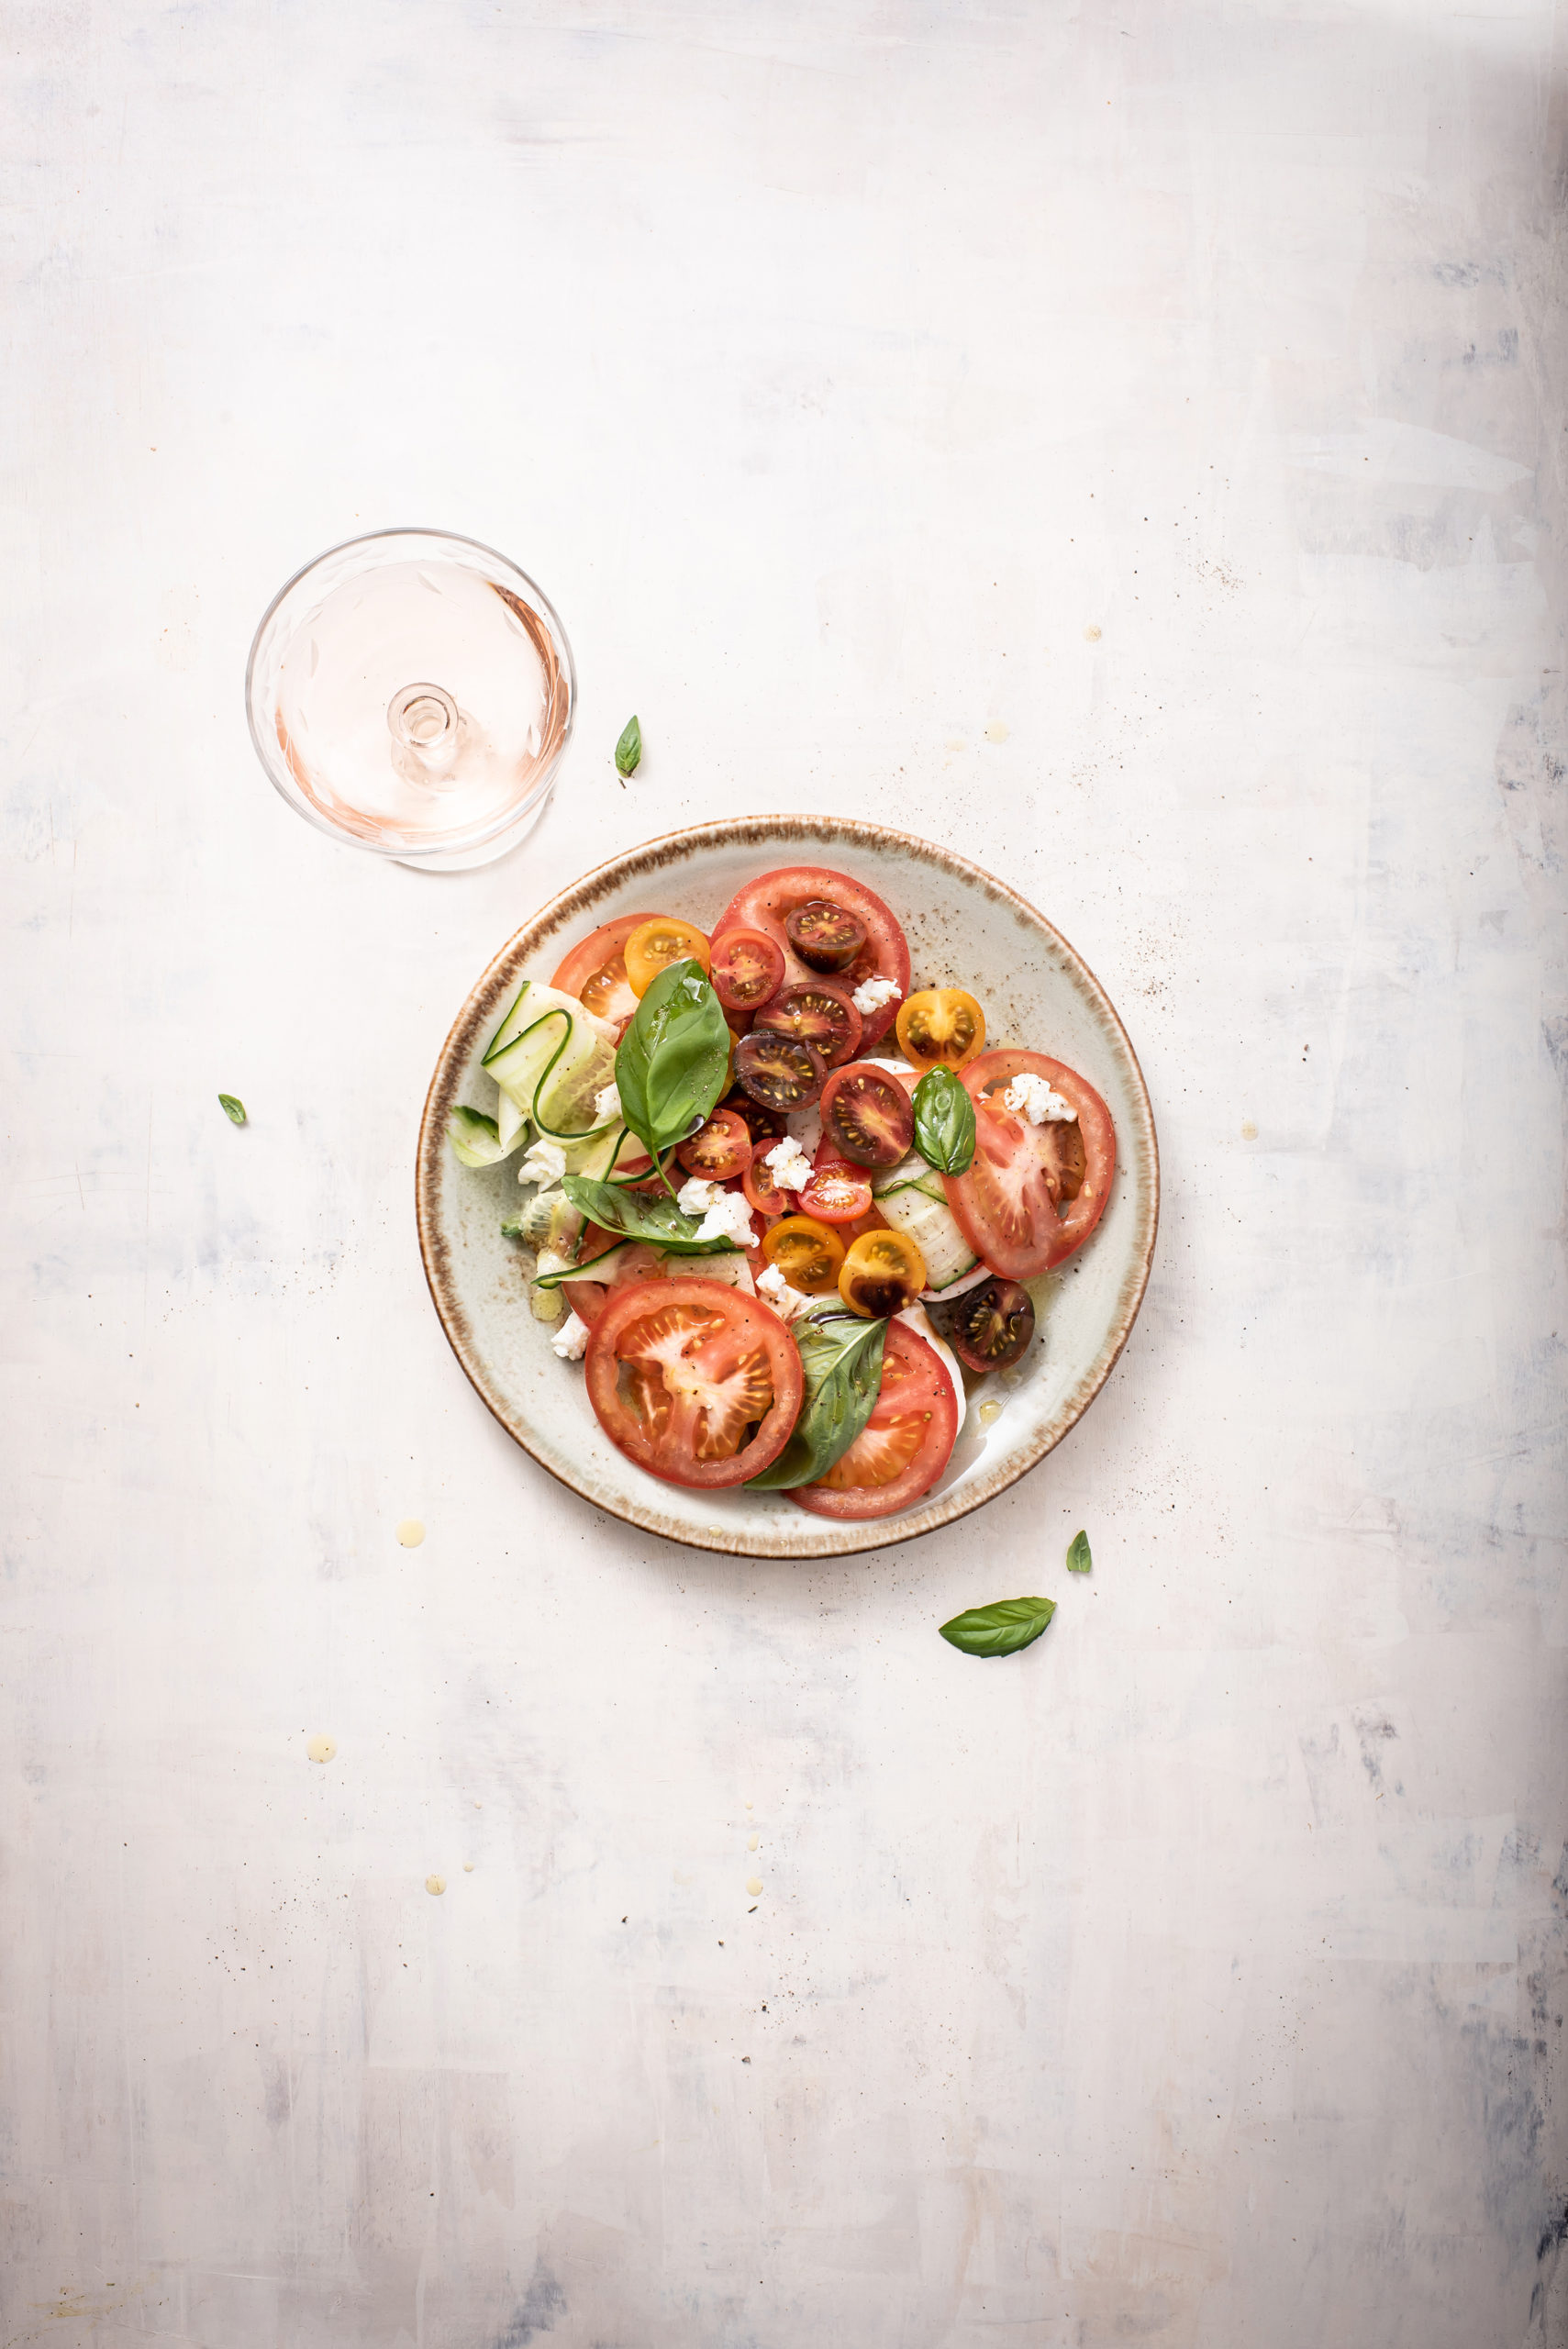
410,1532
752,1841
1092,634
468,1867
435,1884
753,1884
322,1749
990,1411
996,732
1249,1130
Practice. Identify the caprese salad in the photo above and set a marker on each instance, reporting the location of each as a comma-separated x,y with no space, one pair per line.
782,1207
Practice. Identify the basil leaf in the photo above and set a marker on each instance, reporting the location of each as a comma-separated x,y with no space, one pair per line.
673,1061
629,750
944,1123
840,1354
1078,1558
1001,1630
638,1215
233,1109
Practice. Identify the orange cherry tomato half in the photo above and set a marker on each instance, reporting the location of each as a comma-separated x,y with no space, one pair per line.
654,944
747,967
883,1274
692,1381
761,1186
941,1028
594,971
719,1152
904,1444
806,1251
837,1192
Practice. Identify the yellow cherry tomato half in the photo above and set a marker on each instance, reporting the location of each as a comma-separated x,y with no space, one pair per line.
654,945
806,1251
939,1027
883,1274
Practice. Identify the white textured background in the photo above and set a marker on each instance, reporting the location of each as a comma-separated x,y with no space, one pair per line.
1196,1978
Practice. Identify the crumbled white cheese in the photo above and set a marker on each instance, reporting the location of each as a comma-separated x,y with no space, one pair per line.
791,1167
696,1195
607,1105
543,1162
871,993
571,1340
729,1217
1030,1096
785,1301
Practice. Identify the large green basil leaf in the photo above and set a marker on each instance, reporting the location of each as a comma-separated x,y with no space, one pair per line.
840,1354
673,1061
999,1630
641,1215
944,1123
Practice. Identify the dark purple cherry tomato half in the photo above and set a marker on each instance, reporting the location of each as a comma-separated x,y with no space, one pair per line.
826,936
819,1014
782,1072
989,1327
867,1116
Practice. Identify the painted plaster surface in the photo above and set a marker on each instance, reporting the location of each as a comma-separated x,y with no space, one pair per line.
1125,444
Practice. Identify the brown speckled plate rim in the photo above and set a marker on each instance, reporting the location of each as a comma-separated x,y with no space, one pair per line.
812,1537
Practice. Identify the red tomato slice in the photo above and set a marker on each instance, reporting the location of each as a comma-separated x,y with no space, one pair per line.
904,1444
766,903
748,968
766,1194
837,1193
1033,1193
692,1381
597,965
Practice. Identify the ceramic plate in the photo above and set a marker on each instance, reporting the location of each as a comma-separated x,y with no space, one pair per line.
964,928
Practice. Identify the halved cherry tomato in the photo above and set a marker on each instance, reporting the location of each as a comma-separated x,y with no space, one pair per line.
692,1381
904,1444
594,971
837,1193
721,1151
781,1071
1032,1194
989,1327
867,1115
762,1188
654,944
941,1028
883,1274
826,936
806,1251
820,1014
767,903
747,967
761,1123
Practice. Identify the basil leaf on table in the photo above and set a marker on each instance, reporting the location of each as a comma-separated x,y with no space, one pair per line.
1078,1558
629,750
840,1354
641,1215
1000,1630
233,1109
673,1061
944,1123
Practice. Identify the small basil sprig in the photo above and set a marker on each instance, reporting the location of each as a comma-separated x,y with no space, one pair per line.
233,1109
637,1215
1078,1559
944,1123
1001,1630
629,750
841,1357
673,1061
